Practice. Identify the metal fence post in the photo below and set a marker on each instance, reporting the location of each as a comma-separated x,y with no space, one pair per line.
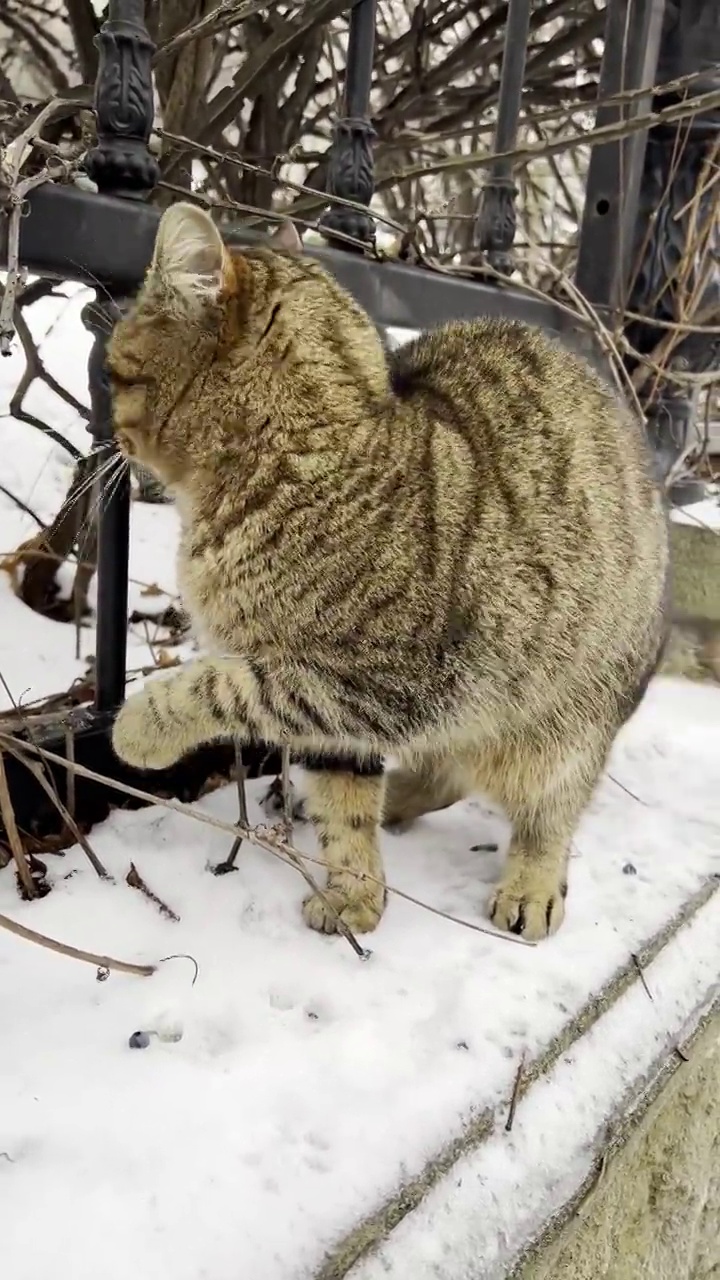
629,63
350,171
496,220
120,164
676,250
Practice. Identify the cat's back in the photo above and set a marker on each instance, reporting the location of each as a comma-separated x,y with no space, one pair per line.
491,351
523,395
558,471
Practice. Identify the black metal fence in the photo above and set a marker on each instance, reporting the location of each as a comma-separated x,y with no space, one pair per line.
639,204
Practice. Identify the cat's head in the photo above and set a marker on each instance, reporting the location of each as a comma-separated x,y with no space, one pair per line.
222,346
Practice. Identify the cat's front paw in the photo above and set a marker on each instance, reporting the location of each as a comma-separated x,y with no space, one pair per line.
361,911
139,740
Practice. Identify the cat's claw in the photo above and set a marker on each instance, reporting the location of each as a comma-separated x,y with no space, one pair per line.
533,910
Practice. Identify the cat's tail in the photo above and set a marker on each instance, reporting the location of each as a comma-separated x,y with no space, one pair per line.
693,648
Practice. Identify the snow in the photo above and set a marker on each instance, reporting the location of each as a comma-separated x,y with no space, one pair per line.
701,513
307,1085
39,472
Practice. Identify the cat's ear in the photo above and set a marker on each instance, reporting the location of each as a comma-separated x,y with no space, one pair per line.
285,237
190,259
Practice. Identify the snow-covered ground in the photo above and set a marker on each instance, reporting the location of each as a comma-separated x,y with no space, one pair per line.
307,1085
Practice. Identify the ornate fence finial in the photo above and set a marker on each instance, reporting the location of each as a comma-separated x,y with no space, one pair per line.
496,220
121,163
350,170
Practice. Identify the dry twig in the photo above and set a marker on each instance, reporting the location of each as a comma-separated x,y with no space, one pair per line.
43,774
50,790
286,793
100,962
515,1095
641,975
227,13
22,506
135,881
8,816
15,190
265,838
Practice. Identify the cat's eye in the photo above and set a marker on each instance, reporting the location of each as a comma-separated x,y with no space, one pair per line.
123,380
125,443
273,317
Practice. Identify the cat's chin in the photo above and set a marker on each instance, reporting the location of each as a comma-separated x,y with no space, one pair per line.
171,479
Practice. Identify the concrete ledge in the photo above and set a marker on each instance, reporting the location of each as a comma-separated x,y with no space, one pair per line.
633,1188
655,1208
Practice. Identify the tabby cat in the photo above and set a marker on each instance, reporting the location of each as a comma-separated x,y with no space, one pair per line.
455,555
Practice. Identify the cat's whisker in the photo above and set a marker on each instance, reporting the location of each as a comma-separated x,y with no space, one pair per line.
102,483
80,493
113,487
98,284
95,473
107,488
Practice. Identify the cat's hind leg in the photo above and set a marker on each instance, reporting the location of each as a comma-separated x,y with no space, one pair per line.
431,782
544,784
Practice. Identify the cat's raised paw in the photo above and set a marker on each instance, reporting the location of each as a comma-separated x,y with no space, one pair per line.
137,739
361,913
530,910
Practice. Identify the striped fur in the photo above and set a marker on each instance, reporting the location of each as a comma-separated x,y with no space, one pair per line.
455,555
